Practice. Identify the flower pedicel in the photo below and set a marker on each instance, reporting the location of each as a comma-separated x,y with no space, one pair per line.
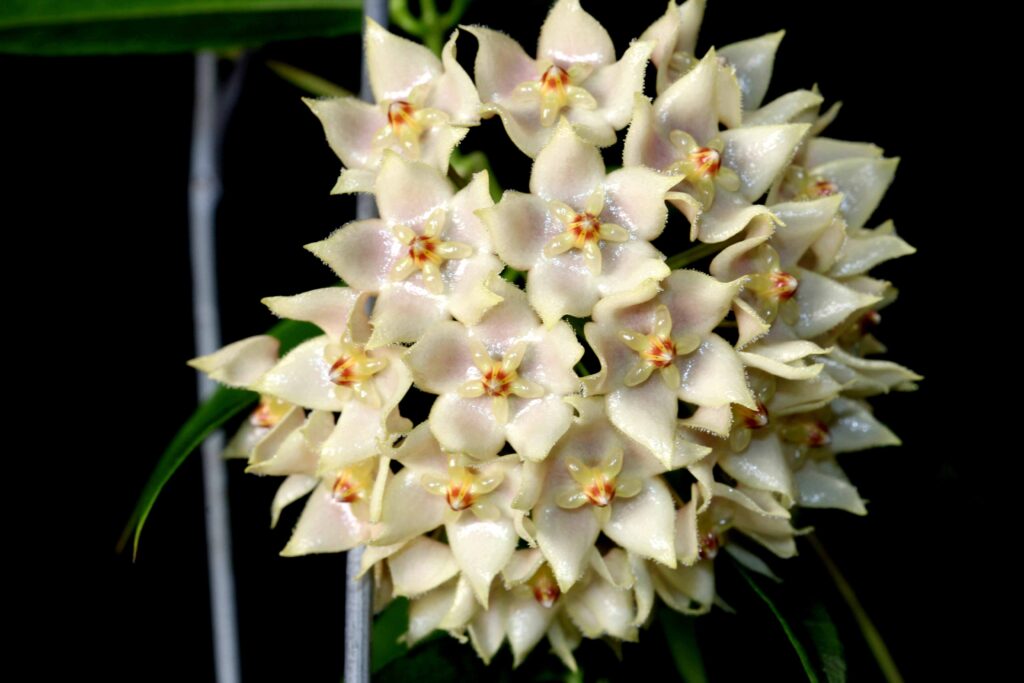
533,501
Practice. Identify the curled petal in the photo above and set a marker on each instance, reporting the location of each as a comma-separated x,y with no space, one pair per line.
753,60
863,183
501,64
537,425
481,548
689,104
332,309
350,125
824,303
453,92
761,466
240,364
635,199
645,523
567,169
565,537
408,509
759,154
571,36
362,253
467,425
327,526
441,359
713,376
421,565
291,489
303,378
823,485
613,86
798,105
396,65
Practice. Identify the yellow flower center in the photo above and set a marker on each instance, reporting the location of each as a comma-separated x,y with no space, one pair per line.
464,486
657,350
599,485
544,587
557,89
269,412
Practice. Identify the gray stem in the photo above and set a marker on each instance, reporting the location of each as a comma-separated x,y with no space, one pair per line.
359,592
203,194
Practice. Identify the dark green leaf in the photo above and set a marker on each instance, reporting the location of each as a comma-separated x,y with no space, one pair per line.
798,647
682,643
75,27
218,409
825,638
388,626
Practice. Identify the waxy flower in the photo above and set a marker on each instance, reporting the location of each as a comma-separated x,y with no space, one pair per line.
582,235
679,133
427,258
659,348
574,75
422,107
501,379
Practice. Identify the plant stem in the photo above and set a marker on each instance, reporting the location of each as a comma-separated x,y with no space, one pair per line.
867,627
694,254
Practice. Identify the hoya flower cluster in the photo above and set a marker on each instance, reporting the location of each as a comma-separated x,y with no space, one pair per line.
541,498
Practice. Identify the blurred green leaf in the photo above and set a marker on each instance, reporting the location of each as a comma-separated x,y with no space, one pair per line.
388,626
682,642
77,27
825,638
214,412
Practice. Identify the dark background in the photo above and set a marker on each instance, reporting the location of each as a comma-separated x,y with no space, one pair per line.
99,151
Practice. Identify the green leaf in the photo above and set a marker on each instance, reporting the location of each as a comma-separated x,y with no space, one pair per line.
825,638
214,412
388,627
77,27
682,643
798,647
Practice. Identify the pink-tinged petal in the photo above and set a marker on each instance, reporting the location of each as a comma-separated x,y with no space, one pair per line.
331,309
728,98
687,452
664,33
526,622
520,225
359,434
798,105
613,86
448,607
409,191
521,119
628,265
592,126
774,367
408,509
469,296
824,303
441,360
507,323
862,253
803,223
291,489
728,216
361,253
394,380
355,180
404,311
422,565
453,92
645,144
571,36
738,259
240,364
561,286
697,302
824,485
690,590
523,565
292,446
481,548
635,199
610,314
538,425
601,609
396,65
713,375
645,523
566,537
244,440
302,378
749,324
867,377
863,183
350,125
856,429
326,526
487,631
762,465
759,154
551,357
421,451
501,64
464,225
689,104
567,169
467,425
821,150
437,144
648,414
753,60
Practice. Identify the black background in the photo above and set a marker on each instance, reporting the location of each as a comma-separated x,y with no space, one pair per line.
101,323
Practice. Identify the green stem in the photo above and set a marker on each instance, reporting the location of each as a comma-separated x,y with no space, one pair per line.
867,627
694,254
304,80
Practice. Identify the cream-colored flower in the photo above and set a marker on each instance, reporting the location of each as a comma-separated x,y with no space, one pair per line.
582,234
423,105
574,75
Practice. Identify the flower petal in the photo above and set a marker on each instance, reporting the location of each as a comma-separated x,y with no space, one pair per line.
396,65
571,36
467,425
824,303
728,216
408,509
302,378
753,60
713,376
326,526
690,590
798,105
645,523
350,125
635,199
501,64
614,86
863,183
824,485
293,445
856,429
865,376
441,359
422,565
803,224
600,609
404,311
520,225
862,253
359,434
409,191
697,302
361,253
487,631
331,309
538,425
567,169
240,364
759,154
453,92
504,325
761,466
470,296
291,489
481,548
645,144
648,413
821,150
689,104
566,538
526,622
